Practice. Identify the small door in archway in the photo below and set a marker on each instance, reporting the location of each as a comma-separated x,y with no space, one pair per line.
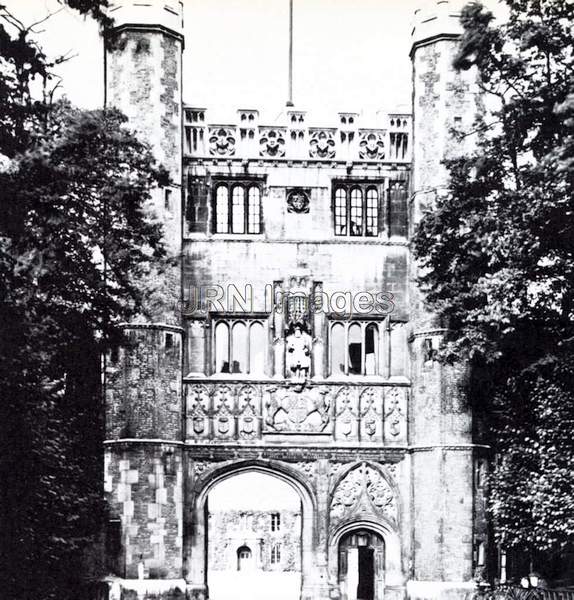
244,558
361,566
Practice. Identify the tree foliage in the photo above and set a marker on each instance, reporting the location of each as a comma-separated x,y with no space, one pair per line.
76,237
498,260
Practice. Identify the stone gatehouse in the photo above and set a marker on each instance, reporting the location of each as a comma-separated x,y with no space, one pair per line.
292,341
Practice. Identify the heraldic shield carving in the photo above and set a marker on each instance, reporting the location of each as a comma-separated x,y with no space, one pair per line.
288,411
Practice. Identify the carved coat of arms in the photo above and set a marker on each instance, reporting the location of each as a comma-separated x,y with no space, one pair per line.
288,411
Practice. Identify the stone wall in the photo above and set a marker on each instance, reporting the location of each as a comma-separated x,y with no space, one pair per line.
229,530
143,385
144,488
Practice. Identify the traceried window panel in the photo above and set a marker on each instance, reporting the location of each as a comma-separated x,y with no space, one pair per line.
257,347
340,211
368,348
237,207
357,208
222,209
398,349
338,349
240,346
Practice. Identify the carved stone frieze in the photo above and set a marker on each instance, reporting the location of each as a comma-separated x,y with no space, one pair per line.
201,467
395,414
372,144
371,411
248,412
298,201
272,142
346,414
363,491
380,491
347,494
322,143
353,415
223,412
305,467
198,409
222,141
290,411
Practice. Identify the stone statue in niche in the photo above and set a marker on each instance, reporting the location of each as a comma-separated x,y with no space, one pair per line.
298,202
299,345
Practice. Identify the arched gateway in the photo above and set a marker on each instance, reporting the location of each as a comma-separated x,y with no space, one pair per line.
210,477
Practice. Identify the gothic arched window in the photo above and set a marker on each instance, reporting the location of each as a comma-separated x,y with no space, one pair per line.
240,346
372,224
367,347
254,210
238,210
222,209
222,348
356,209
257,348
237,207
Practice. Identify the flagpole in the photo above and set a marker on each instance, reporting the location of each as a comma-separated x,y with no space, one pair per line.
290,98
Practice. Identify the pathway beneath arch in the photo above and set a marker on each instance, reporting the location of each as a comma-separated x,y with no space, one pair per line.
254,539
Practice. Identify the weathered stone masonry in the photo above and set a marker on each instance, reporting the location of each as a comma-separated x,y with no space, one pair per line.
349,409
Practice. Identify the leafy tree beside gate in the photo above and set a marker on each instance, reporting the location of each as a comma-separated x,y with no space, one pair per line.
76,236
498,257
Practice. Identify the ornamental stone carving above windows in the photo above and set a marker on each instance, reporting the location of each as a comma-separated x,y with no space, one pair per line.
272,142
322,143
298,201
363,491
372,144
395,414
222,141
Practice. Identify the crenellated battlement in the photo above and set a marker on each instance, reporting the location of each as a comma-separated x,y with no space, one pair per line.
347,136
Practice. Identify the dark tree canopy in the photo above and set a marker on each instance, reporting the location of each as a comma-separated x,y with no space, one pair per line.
498,257
77,237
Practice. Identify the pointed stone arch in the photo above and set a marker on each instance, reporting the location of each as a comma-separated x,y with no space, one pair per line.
364,495
363,489
393,569
196,543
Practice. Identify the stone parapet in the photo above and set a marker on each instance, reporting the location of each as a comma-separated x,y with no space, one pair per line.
386,138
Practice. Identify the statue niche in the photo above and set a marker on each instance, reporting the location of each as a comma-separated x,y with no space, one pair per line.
298,351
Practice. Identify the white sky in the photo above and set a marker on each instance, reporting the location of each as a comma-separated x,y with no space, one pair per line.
253,491
348,54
